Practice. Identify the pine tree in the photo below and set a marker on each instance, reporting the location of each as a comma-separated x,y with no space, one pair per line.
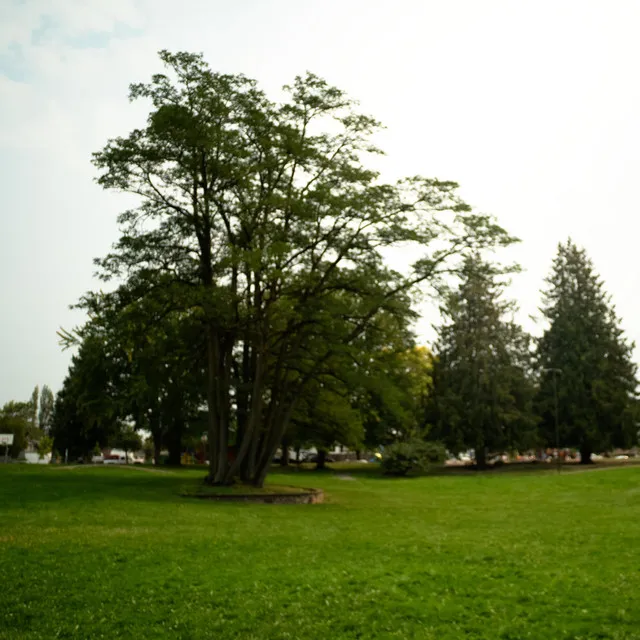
482,390
585,348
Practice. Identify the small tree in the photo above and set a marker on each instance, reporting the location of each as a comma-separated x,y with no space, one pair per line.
128,440
325,417
44,446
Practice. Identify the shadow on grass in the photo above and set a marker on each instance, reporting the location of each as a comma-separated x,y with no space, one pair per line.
25,486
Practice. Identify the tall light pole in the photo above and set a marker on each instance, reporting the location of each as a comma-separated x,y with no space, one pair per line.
555,372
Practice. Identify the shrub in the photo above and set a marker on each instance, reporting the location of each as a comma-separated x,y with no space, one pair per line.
413,455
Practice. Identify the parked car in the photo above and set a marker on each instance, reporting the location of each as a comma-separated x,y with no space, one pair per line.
97,459
117,458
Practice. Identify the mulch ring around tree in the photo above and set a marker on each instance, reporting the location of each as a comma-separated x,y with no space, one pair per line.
271,494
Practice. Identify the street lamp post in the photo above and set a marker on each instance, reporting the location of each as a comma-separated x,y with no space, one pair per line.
556,371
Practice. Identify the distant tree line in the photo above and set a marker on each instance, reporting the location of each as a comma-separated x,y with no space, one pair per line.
29,422
252,301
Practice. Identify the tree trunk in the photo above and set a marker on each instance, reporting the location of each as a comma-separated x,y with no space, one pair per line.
213,404
585,454
175,442
481,457
224,367
321,463
156,434
284,458
248,447
244,383
274,433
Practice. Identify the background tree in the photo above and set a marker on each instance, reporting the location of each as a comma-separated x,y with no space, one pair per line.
157,367
482,390
326,417
45,412
262,216
15,418
596,383
127,439
147,448
370,390
33,403
396,391
85,411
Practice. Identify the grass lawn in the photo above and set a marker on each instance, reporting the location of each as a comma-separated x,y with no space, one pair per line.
117,553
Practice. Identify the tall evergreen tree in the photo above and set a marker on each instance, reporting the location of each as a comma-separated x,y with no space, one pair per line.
482,389
35,397
584,348
46,408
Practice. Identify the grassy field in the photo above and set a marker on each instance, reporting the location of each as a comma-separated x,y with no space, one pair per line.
117,553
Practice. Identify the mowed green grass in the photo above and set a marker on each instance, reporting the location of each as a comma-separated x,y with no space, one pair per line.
117,553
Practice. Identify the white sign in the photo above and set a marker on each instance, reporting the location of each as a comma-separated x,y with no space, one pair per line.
6,438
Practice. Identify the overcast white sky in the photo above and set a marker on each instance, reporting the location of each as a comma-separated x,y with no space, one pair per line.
532,106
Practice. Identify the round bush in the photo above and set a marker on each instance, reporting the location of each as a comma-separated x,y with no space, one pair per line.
413,455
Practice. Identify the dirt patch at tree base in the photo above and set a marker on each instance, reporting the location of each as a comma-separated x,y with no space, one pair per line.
304,496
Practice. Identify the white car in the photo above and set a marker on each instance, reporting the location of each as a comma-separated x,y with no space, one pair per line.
118,458
97,459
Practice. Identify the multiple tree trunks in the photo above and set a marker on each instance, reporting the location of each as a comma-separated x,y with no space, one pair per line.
259,242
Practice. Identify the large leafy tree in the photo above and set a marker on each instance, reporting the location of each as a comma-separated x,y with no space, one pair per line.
263,216
482,386
585,350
